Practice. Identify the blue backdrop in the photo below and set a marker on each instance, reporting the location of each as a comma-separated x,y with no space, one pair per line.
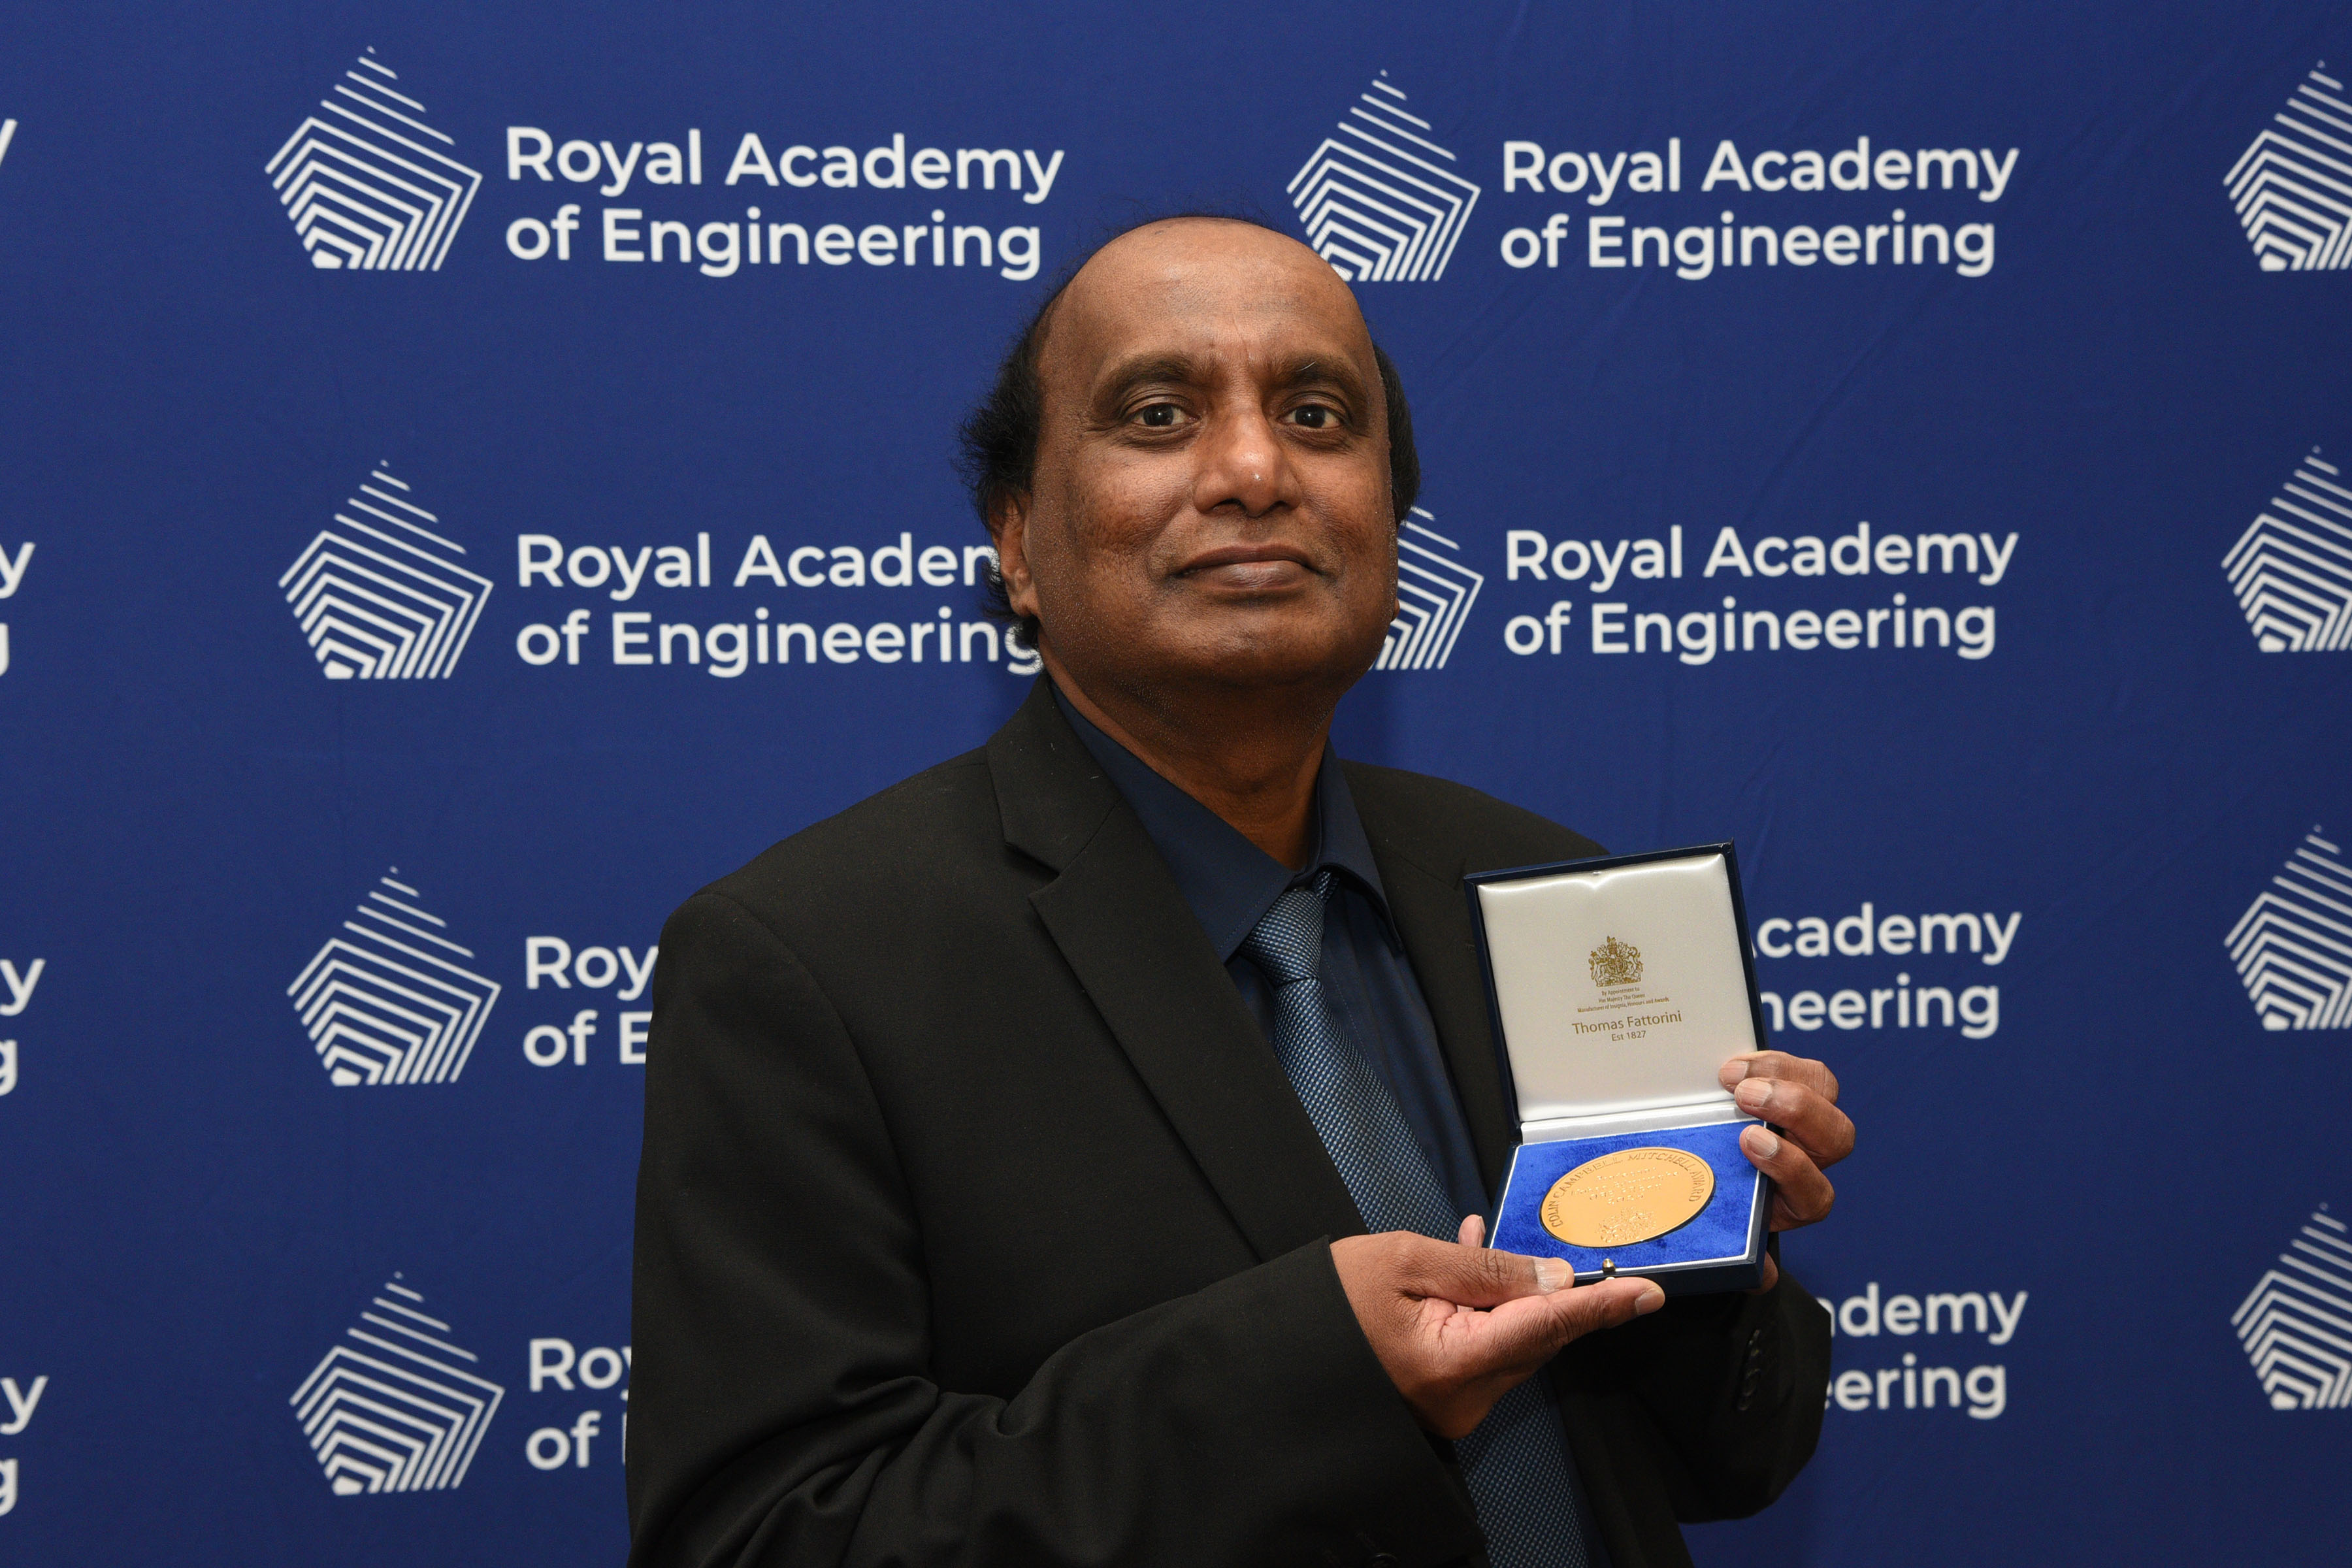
1903,438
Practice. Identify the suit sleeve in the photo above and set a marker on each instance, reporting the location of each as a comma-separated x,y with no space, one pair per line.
783,1409
1732,1387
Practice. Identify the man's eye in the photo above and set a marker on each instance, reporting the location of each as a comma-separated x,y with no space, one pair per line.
1315,417
1159,417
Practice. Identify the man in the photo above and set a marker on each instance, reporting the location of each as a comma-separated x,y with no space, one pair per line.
1011,1139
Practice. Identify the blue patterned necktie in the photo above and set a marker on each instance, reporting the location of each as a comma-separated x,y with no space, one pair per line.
1516,1462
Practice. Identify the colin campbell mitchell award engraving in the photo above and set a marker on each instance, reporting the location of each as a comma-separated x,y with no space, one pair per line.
1634,1195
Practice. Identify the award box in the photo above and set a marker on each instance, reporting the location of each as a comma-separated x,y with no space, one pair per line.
1619,986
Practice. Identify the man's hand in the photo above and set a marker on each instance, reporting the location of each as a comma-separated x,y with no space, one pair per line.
1799,1097
1457,1326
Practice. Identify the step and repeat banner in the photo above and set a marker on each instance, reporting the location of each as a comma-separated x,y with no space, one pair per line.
469,477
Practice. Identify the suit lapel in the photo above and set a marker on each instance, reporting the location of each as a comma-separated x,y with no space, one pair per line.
1432,917
1121,924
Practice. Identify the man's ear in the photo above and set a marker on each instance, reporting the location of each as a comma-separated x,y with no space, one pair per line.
1010,531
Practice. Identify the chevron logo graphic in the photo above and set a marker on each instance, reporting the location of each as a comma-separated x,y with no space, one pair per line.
2296,1325
1434,593
1381,200
371,185
387,1002
393,1407
2294,945
2292,569
2292,188
378,593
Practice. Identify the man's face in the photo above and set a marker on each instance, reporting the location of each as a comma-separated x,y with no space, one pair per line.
1212,502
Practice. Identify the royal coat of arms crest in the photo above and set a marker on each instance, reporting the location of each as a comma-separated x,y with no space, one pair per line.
1616,963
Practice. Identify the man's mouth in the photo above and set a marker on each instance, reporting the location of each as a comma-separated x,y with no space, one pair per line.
1267,565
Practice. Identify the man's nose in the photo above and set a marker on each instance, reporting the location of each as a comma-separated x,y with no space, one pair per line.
1243,465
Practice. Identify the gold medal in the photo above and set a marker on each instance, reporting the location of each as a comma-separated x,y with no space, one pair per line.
1634,1195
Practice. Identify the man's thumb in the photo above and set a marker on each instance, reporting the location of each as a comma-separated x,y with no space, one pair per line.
1483,1277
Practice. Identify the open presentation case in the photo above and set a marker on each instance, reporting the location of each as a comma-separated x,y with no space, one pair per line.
1619,987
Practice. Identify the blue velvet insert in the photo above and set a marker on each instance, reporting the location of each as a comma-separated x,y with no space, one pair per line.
1719,1232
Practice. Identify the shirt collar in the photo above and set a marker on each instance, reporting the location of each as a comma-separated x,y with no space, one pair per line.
1228,881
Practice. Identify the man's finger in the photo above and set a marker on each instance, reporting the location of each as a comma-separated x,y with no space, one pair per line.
1802,1195
1527,1333
1473,1231
1815,1123
1815,1076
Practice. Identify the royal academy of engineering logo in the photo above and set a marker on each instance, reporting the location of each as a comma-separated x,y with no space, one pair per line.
2293,946
1379,197
1616,963
395,1407
1434,593
2292,569
2292,188
2296,1323
368,183
379,593
390,999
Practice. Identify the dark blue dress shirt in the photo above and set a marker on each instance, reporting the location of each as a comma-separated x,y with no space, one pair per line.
1230,883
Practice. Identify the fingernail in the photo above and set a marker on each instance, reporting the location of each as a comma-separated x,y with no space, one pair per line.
1753,1094
1553,1274
1730,1073
1652,1299
1762,1144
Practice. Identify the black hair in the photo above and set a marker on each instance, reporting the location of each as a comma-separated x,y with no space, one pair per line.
998,438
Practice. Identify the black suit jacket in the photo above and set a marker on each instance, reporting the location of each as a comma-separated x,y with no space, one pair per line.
977,1223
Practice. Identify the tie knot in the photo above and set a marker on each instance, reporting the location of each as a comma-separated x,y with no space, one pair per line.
1287,941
